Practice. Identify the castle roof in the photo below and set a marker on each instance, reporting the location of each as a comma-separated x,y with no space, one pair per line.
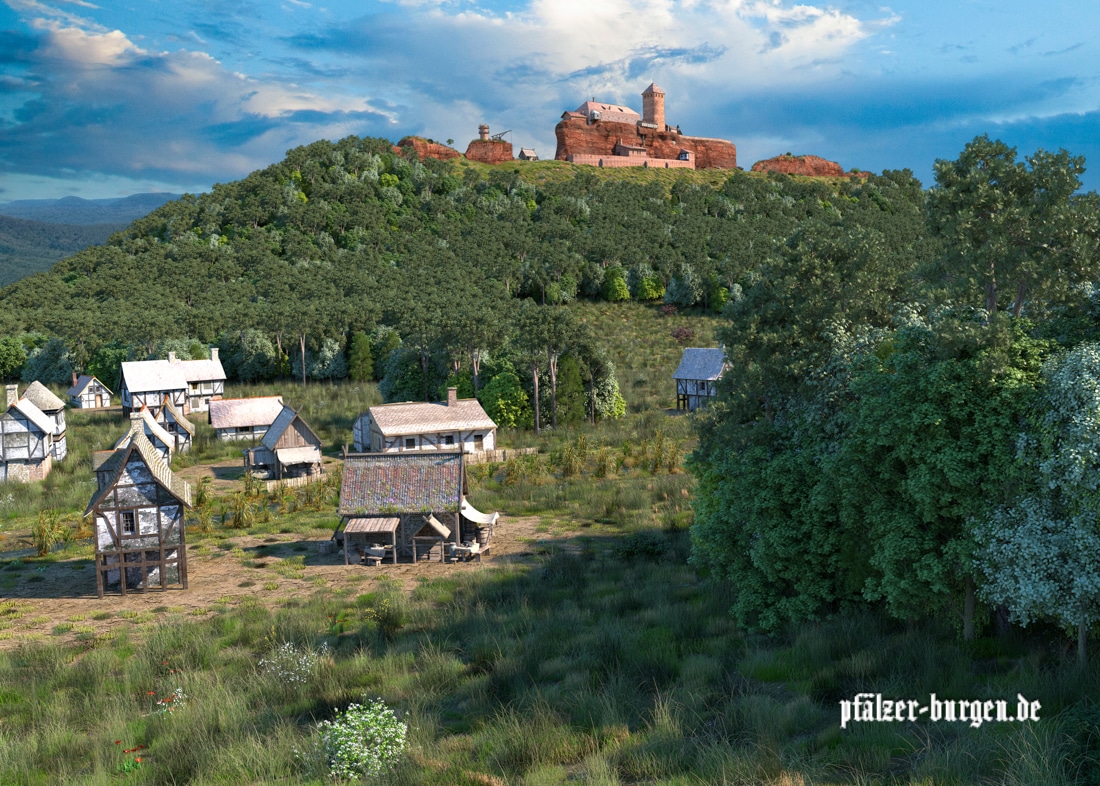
609,112
653,90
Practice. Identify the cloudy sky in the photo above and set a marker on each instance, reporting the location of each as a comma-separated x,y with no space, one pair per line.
103,98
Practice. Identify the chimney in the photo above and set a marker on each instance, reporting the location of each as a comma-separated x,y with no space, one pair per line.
483,132
213,353
74,379
171,357
13,394
452,397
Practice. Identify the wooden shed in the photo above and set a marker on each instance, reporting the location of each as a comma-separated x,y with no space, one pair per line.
697,377
88,392
290,448
26,440
138,510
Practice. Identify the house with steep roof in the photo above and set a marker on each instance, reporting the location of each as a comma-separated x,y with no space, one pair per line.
146,383
289,449
697,377
410,503
454,424
205,380
53,408
244,418
138,509
26,440
143,422
178,427
88,392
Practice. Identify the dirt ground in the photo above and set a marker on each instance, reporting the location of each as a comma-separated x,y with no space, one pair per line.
58,601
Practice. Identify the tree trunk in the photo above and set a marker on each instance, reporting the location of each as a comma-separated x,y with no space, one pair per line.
553,358
968,610
475,369
535,383
592,399
1018,306
302,341
1082,642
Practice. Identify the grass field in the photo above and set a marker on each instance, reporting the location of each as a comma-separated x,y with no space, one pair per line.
601,658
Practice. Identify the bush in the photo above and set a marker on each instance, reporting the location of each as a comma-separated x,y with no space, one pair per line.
614,285
362,742
505,401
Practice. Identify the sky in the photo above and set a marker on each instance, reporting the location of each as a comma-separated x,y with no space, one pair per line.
103,99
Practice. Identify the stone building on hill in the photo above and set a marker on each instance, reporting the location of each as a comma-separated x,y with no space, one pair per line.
487,149
609,135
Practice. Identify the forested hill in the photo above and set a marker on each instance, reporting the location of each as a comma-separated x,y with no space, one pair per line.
339,237
28,247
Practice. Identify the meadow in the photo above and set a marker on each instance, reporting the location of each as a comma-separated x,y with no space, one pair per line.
599,656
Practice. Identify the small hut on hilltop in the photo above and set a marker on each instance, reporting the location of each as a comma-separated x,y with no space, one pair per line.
697,377
138,510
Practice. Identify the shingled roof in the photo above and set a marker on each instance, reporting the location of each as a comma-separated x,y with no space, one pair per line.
376,483
82,383
286,417
147,376
43,397
177,416
464,414
247,412
141,420
701,364
116,463
202,370
40,419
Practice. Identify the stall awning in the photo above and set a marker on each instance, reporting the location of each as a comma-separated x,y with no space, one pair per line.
483,519
372,524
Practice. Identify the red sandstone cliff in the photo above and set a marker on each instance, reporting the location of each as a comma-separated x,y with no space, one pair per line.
811,166
426,149
490,151
576,135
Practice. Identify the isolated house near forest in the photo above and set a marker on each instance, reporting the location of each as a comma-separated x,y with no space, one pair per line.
26,440
410,504
290,449
53,408
454,424
138,511
697,377
89,393
244,418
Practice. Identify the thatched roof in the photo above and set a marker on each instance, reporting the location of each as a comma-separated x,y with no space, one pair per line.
43,397
149,376
245,412
465,414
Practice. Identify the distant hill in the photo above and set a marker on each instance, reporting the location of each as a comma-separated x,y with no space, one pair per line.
28,247
74,210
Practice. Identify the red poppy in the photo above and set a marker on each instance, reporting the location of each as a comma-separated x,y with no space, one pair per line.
151,693
118,742
137,759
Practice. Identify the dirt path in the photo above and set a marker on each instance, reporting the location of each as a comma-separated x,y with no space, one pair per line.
58,601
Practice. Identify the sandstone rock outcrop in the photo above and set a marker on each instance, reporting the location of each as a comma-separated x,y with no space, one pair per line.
428,149
490,151
810,166
578,135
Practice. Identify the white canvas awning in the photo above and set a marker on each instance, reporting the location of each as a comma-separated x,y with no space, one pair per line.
476,516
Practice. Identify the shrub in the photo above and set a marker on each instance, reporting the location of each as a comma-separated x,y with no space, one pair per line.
292,665
614,285
683,334
361,742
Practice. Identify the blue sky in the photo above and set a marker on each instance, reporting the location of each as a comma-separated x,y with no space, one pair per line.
104,99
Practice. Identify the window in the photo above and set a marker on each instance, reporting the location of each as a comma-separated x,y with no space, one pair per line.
244,429
410,443
479,442
448,440
128,520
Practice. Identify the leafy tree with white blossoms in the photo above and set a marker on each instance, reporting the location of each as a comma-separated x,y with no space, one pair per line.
1041,555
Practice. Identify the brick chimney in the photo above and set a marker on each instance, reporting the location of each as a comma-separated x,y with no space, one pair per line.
213,353
452,397
13,394
171,357
483,132
74,379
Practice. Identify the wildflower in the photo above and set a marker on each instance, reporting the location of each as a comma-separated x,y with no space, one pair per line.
151,693
118,742
137,759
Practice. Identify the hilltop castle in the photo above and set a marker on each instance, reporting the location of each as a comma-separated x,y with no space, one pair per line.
609,135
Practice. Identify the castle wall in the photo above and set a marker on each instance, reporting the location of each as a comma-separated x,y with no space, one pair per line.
576,136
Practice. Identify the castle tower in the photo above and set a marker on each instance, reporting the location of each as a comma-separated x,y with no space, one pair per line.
653,106
483,132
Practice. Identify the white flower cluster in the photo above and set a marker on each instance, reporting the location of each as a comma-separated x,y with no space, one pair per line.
170,704
363,741
291,664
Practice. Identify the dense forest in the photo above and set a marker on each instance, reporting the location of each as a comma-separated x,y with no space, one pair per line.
913,402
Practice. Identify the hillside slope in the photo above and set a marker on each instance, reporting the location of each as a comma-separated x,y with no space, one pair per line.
28,247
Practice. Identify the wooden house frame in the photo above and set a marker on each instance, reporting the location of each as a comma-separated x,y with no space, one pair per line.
178,427
26,440
244,418
411,503
290,448
697,377
88,392
53,408
205,380
138,510
454,424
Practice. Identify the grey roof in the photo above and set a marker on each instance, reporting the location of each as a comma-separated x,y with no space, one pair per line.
281,424
139,422
40,419
701,364
144,448
177,416
43,397
394,420
251,412
147,376
202,370
378,483
82,382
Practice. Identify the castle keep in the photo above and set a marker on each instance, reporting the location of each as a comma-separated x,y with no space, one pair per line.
609,135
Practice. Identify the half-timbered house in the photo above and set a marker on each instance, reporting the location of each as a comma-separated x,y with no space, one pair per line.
454,424
88,392
138,511
409,504
53,408
205,380
143,422
178,427
290,449
146,383
697,377
26,440
244,418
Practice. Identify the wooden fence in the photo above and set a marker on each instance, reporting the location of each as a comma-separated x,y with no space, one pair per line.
493,456
293,483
